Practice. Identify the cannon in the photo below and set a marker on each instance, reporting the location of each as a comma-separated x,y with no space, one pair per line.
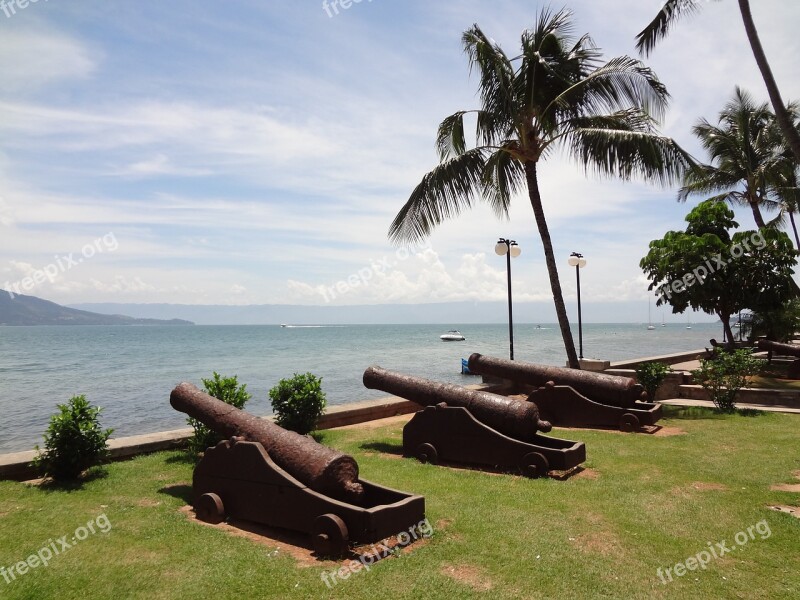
271,476
792,350
565,407
460,425
572,398
612,390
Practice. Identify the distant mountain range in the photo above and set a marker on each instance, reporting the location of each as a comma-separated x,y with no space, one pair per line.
18,309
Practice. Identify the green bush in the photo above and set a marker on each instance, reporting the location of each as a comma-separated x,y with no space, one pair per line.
298,402
73,442
650,375
723,375
229,391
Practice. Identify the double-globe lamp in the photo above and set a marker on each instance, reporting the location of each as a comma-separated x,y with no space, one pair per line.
576,260
510,249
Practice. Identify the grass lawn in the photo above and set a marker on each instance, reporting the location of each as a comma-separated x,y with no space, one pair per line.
644,502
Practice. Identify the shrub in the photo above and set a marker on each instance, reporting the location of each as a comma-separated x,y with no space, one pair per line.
722,376
298,402
229,391
73,442
650,375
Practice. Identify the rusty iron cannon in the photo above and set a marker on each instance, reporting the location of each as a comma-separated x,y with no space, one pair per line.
781,349
600,387
460,425
572,398
271,476
565,407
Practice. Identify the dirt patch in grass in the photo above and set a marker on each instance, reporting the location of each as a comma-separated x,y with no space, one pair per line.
703,486
599,539
789,510
669,432
472,576
786,487
587,473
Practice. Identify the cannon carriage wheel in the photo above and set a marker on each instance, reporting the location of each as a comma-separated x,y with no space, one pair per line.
329,535
209,508
535,464
426,453
628,423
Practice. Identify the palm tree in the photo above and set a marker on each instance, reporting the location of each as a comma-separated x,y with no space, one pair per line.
745,156
556,93
674,9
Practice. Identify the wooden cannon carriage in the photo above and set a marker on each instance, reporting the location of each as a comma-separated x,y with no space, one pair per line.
271,476
574,398
460,425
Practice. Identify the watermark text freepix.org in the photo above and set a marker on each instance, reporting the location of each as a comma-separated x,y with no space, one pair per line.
716,551
363,276
62,264
365,561
53,548
9,7
332,6
711,266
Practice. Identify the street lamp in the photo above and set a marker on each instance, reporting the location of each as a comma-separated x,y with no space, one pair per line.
509,248
576,260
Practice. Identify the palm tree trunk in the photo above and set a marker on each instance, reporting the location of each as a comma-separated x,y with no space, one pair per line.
550,260
781,114
757,214
794,228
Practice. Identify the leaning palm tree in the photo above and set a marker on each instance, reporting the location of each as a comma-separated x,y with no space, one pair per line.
672,10
556,93
745,155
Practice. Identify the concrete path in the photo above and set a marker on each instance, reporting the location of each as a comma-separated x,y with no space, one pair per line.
709,404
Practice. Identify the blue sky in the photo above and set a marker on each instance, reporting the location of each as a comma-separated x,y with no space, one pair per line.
257,151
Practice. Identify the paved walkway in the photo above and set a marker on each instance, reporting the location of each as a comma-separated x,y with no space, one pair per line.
709,404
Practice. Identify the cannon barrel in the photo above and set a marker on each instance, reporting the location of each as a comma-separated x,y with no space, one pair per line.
785,349
602,388
515,418
320,468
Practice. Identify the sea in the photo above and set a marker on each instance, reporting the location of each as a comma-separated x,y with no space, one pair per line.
129,371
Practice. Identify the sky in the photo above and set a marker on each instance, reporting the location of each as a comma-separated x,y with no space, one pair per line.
256,151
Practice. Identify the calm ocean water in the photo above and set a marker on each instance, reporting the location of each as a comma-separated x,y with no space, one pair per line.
130,371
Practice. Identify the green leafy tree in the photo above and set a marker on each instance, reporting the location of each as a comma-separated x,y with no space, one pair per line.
298,402
230,392
706,268
779,325
723,375
74,441
556,94
672,10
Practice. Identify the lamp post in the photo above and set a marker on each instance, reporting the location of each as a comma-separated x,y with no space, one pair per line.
576,260
509,248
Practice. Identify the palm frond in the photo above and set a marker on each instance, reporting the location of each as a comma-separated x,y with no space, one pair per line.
443,193
504,177
626,153
659,27
622,82
450,140
496,81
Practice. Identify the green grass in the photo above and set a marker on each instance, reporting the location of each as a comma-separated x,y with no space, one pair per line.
585,537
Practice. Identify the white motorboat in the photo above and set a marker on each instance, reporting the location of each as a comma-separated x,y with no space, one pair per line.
452,336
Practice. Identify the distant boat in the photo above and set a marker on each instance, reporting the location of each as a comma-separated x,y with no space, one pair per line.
650,326
452,336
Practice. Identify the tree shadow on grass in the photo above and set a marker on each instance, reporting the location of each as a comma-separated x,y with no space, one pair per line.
52,486
384,447
183,458
182,491
691,413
